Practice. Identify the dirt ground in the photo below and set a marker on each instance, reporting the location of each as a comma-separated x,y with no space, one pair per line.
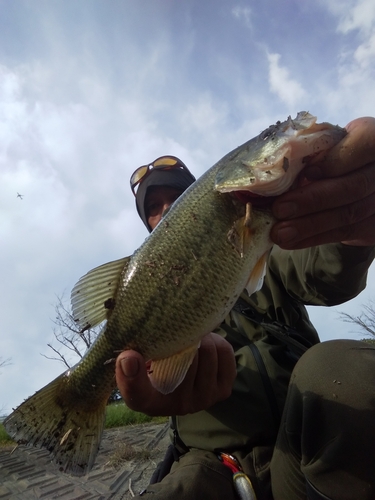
128,457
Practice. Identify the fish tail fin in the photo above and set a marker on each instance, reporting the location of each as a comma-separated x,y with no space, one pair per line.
70,432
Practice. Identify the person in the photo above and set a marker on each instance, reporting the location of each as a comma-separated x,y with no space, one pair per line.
299,426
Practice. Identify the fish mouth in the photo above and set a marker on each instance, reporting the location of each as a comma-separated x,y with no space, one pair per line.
257,200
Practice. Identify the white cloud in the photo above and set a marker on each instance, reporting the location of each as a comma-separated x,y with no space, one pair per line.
72,164
353,93
354,15
243,13
289,90
365,53
204,115
357,16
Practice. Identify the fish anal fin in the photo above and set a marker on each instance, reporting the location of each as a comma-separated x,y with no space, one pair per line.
166,374
257,274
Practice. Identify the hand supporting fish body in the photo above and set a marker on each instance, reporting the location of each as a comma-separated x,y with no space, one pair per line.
177,287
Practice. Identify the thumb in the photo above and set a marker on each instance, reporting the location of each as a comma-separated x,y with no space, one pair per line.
132,378
130,366
355,150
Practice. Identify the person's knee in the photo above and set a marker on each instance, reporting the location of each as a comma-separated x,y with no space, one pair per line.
332,363
327,434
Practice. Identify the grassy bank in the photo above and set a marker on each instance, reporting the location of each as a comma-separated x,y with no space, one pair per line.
4,438
117,415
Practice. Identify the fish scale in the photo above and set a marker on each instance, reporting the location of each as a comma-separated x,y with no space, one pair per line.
192,250
178,286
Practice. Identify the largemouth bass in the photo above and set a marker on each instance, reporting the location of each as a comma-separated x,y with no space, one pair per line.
177,287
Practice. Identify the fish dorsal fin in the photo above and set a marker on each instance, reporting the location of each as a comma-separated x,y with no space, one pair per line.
257,274
167,373
93,295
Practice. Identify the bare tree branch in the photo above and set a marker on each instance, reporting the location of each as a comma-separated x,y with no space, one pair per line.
5,362
70,340
73,346
365,321
69,337
61,357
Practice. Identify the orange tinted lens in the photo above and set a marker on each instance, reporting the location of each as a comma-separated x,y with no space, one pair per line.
138,175
164,161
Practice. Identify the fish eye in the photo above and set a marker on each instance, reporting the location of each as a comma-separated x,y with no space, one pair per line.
268,132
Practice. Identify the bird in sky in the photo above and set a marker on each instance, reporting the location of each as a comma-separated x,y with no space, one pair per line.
20,196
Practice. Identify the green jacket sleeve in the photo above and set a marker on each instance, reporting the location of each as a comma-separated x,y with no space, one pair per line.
323,275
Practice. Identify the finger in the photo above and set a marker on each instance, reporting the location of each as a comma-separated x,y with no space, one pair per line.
326,194
227,370
201,383
133,381
199,390
140,395
355,150
359,234
214,375
207,362
325,220
213,378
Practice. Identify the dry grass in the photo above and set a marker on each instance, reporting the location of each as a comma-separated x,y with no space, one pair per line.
125,452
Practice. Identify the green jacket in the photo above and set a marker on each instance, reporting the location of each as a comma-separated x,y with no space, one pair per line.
326,275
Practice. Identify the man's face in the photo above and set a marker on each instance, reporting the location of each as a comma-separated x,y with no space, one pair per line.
158,199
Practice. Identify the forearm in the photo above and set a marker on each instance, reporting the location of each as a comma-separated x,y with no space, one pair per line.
323,275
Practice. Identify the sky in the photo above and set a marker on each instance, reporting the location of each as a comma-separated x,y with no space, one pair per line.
90,90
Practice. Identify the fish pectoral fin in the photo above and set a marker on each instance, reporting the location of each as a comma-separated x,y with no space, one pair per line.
93,296
240,235
167,373
257,274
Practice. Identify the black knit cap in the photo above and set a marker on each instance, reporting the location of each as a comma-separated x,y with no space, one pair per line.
176,178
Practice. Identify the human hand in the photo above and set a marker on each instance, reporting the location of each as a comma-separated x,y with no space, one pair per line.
209,380
338,205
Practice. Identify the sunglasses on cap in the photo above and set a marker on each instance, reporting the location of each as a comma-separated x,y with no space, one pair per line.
162,163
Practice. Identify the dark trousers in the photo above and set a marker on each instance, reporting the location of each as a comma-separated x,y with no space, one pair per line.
327,434
326,437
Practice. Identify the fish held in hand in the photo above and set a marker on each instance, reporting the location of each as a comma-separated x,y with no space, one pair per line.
273,159
177,287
